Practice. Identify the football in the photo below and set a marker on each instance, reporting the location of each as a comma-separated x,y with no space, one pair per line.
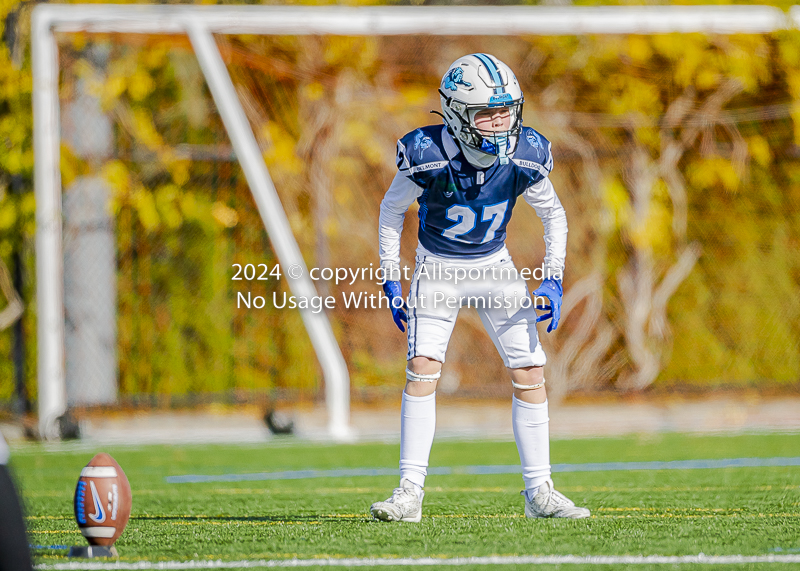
102,501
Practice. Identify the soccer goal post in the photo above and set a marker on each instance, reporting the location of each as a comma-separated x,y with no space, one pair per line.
200,24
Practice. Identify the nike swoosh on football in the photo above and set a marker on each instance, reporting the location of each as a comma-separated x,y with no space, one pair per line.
99,515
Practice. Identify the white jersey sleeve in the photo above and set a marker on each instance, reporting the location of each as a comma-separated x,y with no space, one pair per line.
542,197
401,194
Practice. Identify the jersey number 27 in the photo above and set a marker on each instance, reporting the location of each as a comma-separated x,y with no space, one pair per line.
465,218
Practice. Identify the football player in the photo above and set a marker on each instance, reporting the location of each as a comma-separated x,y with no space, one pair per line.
466,176
14,550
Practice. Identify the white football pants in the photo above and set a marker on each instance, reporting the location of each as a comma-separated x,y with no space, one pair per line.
441,286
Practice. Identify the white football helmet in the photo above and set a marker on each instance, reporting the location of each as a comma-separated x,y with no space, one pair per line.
473,83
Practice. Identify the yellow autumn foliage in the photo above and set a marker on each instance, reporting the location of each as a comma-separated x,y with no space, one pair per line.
184,213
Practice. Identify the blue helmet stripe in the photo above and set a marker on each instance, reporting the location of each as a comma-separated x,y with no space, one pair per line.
498,82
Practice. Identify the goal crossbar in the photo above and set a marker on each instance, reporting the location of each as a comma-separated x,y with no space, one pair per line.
399,20
200,23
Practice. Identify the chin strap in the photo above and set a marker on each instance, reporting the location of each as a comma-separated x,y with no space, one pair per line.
527,387
502,143
498,146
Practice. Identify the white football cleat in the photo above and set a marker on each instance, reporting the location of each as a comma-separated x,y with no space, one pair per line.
550,503
404,505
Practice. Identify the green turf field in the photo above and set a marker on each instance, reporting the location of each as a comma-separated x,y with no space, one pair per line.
730,511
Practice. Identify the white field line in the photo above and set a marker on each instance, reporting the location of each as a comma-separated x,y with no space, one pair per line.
432,562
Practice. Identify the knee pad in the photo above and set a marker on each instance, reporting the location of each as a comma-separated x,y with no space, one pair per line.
412,376
527,387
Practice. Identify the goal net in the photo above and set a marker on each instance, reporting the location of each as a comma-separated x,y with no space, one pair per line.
199,170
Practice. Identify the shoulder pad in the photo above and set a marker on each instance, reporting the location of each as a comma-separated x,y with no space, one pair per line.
533,152
421,150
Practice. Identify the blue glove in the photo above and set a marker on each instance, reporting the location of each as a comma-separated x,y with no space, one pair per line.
552,290
393,290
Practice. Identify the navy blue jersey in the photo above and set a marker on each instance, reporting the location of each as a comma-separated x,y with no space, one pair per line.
464,210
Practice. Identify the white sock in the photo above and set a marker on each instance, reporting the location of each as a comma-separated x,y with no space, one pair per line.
532,434
417,425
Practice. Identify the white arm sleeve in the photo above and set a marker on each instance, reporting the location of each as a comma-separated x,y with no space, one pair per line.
401,194
542,197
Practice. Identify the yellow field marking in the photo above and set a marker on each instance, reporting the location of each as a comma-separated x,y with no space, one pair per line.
641,513
322,518
514,489
696,516
631,512
209,520
61,517
270,491
238,523
211,517
70,493
474,516
478,516
441,489
237,491
382,490
677,489
637,509
491,490
348,516
54,531
710,514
